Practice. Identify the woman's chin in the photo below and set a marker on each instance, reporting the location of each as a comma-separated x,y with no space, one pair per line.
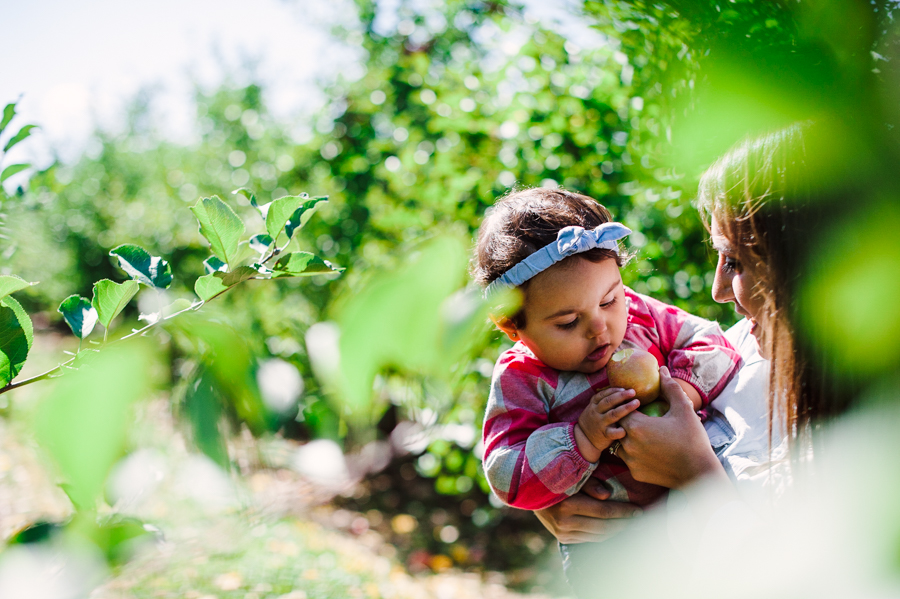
757,331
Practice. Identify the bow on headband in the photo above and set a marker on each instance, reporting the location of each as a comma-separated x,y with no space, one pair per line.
569,241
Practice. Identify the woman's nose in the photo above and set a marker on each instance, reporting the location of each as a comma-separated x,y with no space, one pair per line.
722,290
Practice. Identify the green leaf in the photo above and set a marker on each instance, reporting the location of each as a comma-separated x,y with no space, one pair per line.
152,271
245,255
82,424
228,358
260,243
110,298
404,310
221,227
280,212
11,284
79,315
203,407
263,209
11,170
238,275
249,194
8,113
178,305
302,264
16,338
120,538
302,215
22,134
209,286
213,264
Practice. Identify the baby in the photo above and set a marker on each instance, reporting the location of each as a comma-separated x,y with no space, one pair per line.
551,416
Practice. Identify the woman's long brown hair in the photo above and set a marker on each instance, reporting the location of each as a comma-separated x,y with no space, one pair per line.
773,200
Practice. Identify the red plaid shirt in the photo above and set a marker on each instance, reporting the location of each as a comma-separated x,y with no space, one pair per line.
530,456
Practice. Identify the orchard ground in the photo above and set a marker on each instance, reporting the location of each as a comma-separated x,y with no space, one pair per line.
266,531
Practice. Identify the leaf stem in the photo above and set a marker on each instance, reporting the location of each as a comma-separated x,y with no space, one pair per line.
275,251
194,306
48,374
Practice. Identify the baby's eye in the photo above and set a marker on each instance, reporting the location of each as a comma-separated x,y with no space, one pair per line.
609,303
567,325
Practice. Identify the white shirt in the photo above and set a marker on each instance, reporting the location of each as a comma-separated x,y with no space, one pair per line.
757,472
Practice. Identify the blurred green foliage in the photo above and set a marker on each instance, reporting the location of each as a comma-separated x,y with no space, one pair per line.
458,104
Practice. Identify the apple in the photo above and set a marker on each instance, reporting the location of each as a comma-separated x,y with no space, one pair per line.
635,369
655,408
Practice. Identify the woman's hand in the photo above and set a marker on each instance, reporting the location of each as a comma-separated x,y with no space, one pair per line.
671,450
586,516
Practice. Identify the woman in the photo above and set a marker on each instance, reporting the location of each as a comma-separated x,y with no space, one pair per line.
766,203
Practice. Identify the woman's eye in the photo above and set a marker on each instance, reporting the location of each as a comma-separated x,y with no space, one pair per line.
729,265
568,325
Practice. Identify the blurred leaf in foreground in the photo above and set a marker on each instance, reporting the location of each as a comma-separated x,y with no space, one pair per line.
225,377
203,407
83,421
852,292
399,318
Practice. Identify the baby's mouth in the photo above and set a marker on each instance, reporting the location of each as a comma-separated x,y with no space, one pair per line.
598,353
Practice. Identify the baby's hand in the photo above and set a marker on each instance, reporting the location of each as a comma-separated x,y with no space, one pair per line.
599,419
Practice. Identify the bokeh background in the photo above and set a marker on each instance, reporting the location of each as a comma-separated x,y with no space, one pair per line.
413,117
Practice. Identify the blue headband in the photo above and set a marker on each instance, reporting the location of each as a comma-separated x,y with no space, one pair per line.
569,241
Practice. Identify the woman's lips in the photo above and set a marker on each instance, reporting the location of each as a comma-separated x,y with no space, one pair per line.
598,353
754,327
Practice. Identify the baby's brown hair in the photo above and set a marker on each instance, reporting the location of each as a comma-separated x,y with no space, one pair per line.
525,221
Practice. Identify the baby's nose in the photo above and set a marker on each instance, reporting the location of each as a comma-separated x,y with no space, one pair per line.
597,327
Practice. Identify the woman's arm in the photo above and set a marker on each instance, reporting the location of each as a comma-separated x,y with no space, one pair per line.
673,450
586,516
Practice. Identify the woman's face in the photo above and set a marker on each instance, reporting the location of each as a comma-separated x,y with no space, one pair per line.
735,283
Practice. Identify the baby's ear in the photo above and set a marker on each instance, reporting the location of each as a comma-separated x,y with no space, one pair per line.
507,326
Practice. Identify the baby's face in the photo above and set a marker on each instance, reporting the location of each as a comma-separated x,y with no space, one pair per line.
575,314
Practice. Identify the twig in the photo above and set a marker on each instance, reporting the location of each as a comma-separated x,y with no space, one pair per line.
16,384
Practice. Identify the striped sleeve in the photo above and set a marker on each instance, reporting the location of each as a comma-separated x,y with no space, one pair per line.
695,349
530,462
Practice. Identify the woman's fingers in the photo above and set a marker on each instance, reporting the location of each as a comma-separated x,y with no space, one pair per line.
592,530
672,392
581,504
596,489
584,517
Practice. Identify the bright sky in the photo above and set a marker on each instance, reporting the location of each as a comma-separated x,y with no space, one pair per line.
79,63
